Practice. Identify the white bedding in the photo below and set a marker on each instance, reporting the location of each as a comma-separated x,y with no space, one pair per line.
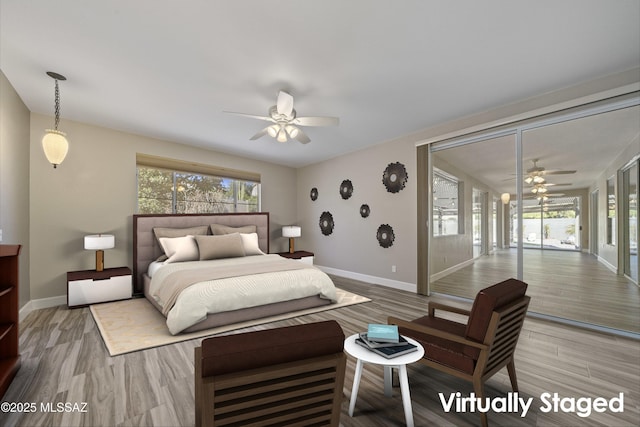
233,293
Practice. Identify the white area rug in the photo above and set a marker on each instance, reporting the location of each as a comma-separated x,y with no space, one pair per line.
134,324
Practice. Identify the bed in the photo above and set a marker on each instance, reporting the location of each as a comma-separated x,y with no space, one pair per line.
206,270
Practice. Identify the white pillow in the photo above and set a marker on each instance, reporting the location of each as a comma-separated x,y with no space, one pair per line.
250,243
180,249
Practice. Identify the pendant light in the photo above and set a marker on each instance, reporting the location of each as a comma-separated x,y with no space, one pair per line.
54,142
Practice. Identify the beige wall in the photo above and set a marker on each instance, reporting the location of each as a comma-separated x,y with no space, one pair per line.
14,177
94,191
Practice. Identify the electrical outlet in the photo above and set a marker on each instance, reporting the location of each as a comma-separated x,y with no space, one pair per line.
0,234
393,268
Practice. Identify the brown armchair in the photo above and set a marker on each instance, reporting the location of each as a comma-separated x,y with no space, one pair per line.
474,351
284,376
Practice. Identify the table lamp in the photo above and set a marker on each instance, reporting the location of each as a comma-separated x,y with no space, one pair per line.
291,231
99,242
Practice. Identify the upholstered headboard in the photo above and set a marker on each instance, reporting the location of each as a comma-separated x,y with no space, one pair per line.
147,249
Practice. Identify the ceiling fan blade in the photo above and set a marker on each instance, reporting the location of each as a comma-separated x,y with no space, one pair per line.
302,137
269,119
316,121
284,105
260,134
559,172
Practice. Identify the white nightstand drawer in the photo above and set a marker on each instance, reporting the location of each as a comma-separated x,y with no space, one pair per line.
91,291
306,260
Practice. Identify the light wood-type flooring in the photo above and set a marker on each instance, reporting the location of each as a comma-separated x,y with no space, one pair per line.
570,285
64,360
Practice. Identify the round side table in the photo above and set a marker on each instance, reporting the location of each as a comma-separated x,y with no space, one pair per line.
363,356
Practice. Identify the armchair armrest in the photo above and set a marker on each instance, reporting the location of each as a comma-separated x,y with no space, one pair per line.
435,332
433,306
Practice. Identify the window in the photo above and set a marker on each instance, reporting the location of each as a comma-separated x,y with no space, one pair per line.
447,204
169,190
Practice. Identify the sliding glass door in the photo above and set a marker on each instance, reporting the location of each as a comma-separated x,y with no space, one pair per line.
515,202
630,197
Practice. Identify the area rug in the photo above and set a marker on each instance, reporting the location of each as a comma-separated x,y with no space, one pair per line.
134,324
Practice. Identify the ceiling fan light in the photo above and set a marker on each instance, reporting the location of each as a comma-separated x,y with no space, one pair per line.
282,136
273,130
538,179
528,179
292,131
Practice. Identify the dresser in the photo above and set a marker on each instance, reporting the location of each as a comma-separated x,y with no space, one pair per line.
9,353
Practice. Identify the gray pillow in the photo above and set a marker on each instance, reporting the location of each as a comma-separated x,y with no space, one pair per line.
223,246
218,229
179,232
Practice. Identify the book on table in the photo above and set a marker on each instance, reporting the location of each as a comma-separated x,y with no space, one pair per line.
383,333
389,352
364,336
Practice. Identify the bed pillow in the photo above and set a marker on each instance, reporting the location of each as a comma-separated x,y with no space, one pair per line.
224,246
218,229
179,249
161,232
250,244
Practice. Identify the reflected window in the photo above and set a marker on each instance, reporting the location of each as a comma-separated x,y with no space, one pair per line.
447,204
611,212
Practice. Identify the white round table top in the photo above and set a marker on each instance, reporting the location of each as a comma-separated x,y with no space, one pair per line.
368,356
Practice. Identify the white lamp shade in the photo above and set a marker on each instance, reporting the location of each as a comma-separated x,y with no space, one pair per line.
55,146
505,197
291,231
98,242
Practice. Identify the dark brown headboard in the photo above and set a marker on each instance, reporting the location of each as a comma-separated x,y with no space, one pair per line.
146,248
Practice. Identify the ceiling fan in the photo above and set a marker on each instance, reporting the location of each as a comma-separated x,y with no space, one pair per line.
286,122
536,174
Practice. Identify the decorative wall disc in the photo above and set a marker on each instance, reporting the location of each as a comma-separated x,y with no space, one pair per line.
385,235
395,177
326,223
364,211
346,189
314,194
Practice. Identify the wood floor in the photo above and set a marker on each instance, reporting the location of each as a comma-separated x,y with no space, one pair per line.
565,284
64,360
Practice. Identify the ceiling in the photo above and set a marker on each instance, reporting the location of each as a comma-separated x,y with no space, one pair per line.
168,69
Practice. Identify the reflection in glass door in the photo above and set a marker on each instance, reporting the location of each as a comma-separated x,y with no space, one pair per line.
478,229
630,197
549,223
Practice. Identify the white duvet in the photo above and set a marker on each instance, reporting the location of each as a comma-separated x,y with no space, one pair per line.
233,293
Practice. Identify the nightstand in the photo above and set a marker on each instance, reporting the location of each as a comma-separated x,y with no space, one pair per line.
304,256
90,286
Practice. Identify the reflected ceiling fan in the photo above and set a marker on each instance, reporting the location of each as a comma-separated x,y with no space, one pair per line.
286,122
536,174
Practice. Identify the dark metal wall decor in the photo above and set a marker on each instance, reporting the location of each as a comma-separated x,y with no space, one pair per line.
314,194
385,235
395,177
365,211
346,189
326,223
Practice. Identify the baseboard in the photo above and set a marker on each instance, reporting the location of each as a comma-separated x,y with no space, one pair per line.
607,264
395,284
36,304
448,271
